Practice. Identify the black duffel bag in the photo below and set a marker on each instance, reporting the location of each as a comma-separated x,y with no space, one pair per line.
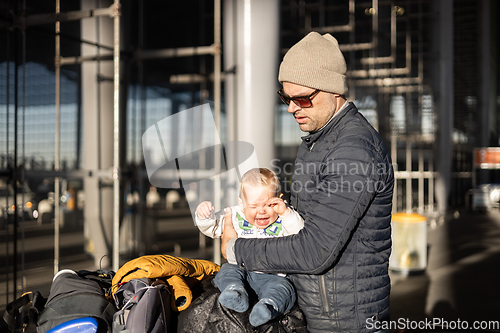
207,315
73,295
76,295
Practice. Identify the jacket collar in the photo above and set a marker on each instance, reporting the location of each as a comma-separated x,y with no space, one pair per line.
313,137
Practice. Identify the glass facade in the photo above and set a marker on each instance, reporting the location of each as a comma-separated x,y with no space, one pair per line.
36,116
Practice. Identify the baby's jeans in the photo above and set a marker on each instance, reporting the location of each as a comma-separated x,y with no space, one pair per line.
267,286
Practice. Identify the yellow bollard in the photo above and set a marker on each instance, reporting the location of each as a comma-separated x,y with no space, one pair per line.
409,243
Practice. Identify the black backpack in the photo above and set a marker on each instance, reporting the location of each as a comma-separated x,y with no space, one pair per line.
144,307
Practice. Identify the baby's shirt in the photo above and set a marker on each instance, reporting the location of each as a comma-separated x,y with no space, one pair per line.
287,224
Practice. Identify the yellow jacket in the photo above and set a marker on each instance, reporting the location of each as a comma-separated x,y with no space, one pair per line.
180,274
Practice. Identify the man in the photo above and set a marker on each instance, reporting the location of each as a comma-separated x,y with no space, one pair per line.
342,187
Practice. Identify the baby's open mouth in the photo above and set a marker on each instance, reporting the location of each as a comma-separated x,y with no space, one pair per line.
262,221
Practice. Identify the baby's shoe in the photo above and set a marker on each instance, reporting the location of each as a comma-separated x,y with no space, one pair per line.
235,298
262,312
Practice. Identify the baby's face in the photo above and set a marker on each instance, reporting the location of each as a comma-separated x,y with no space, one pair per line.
257,213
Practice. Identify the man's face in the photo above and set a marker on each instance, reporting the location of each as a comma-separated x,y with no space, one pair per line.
324,106
255,207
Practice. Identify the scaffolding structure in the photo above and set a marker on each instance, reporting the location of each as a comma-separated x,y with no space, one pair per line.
114,11
115,174
389,65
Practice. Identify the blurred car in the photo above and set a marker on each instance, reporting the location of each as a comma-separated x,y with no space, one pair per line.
481,198
25,202
495,195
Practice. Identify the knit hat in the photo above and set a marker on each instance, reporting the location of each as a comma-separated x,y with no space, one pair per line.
315,62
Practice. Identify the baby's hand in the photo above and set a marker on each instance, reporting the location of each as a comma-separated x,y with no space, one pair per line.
204,209
278,205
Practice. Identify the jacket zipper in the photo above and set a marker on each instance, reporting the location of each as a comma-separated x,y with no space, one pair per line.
322,289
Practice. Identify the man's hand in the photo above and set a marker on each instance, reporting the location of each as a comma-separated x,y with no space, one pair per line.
228,231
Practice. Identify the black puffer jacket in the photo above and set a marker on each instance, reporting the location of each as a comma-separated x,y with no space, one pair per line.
342,187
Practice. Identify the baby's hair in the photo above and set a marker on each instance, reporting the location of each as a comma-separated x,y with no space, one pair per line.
260,177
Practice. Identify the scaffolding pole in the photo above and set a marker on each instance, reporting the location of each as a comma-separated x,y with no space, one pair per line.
116,136
56,161
113,11
217,101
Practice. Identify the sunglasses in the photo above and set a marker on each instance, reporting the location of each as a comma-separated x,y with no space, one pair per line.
301,101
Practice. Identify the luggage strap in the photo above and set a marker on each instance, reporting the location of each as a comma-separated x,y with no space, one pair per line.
21,314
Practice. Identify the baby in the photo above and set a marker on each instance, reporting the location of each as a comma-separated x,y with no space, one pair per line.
261,213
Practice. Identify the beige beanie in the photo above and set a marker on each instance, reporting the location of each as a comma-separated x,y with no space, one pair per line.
315,62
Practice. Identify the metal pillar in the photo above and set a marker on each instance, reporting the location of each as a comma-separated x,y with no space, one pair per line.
98,133
57,145
251,47
217,100
444,101
485,93
116,136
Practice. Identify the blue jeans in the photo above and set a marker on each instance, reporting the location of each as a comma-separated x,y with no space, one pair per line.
277,288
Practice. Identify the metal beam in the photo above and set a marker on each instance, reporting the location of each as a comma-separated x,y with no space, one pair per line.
388,81
80,173
379,60
193,78
357,47
80,59
178,52
147,54
23,21
379,72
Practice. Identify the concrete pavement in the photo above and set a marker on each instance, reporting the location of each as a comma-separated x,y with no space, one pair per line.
462,277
